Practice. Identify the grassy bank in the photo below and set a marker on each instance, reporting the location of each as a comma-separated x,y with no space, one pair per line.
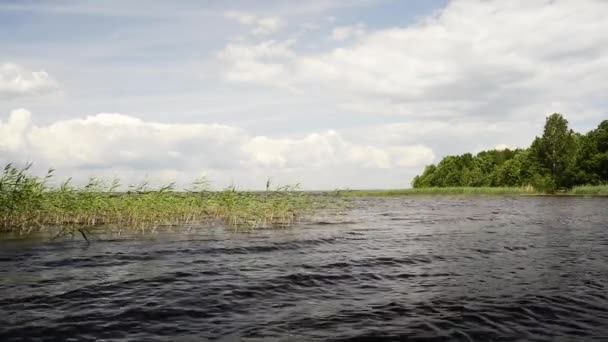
587,190
443,191
590,190
29,203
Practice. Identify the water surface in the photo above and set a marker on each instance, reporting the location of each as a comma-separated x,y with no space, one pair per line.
417,268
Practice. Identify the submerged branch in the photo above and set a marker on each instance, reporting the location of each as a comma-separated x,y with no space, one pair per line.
84,236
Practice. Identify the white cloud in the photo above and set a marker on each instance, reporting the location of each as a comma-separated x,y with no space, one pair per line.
258,63
16,81
484,59
109,141
268,25
261,25
243,18
12,133
330,149
453,136
345,32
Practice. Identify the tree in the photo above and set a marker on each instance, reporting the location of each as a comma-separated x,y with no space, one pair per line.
592,160
425,180
558,159
556,149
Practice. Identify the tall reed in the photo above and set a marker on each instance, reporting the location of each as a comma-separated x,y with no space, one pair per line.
29,203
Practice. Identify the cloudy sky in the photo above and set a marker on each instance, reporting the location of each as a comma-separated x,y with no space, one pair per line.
326,93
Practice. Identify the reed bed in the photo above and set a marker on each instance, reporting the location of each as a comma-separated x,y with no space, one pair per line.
29,204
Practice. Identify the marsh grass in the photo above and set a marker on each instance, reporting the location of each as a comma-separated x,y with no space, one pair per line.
30,204
443,191
586,190
591,190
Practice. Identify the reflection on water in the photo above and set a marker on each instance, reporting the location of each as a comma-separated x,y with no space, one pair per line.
461,268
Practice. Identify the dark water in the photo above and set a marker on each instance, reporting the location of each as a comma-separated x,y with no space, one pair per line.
436,269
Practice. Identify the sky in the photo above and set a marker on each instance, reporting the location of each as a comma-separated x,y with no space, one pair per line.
328,94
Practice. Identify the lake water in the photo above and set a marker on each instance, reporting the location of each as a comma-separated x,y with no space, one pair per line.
417,268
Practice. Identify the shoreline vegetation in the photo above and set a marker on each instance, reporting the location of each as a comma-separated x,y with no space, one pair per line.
30,204
586,190
559,161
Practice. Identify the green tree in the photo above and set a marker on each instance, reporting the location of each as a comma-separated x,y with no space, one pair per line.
519,170
425,179
557,148
558,159
592,159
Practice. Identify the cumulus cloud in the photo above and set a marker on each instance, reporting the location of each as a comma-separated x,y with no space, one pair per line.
330,149
111,141
16,81
474,58
261,24
345,32
108,140
257,63
12,133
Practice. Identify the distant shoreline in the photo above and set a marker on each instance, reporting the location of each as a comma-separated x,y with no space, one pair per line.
586,190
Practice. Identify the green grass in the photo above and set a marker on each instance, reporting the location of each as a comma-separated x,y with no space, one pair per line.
443,191
30,204
592,190
585,190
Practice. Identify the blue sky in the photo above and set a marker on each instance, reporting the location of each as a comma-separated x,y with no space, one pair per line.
327,93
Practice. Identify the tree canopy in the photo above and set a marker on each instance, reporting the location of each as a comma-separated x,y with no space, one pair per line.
559,159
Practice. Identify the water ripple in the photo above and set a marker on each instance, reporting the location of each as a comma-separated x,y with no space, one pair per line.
424,269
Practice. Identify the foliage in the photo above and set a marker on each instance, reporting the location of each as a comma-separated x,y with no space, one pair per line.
559,159
556,150
29,203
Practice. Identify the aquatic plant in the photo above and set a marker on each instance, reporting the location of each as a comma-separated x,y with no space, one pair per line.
29,203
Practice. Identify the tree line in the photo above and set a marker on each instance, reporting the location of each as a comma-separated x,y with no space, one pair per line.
559,159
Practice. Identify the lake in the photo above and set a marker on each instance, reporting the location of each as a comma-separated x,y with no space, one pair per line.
418,268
